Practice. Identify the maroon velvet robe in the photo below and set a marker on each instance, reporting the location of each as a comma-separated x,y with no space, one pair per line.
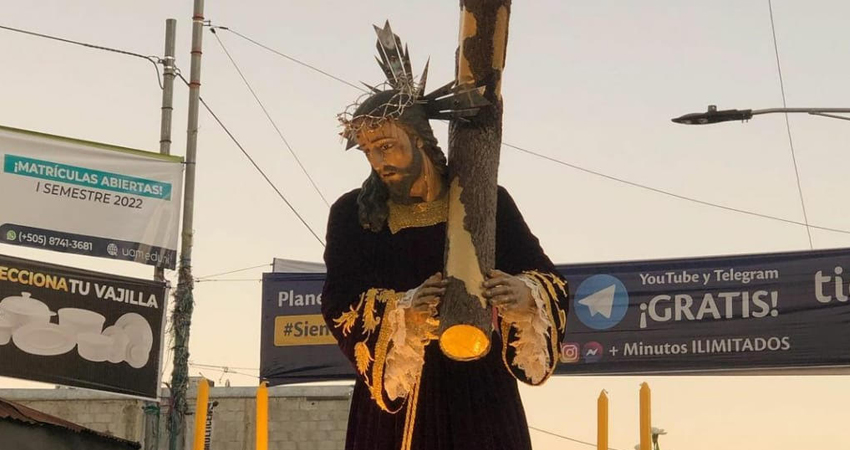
458,405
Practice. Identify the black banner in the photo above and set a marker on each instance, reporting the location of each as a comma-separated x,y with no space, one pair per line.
693,316
79,328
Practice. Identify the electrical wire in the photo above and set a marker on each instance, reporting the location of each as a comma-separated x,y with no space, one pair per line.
567,438
671,194
268,116
226,369
155,60
788,125
574,166
232,271
221,280
254,163
291,58
214,366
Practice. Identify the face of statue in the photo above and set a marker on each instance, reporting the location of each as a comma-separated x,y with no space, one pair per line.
393,155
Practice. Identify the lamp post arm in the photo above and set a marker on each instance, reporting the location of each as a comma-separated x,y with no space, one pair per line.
814,111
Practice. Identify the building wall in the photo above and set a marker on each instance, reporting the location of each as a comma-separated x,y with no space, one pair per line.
300,418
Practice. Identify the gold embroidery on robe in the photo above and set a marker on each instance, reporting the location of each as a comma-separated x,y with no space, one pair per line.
381,348
346,320
416,215
370,322
363,357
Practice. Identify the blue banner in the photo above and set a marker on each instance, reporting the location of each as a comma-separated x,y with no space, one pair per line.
692,316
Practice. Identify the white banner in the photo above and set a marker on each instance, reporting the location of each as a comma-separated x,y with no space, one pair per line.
88,198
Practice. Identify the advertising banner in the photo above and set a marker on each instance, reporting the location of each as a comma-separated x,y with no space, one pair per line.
753,313
295,344
88,198
79,328
769,311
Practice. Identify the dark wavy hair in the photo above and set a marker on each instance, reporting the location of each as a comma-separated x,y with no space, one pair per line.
372,206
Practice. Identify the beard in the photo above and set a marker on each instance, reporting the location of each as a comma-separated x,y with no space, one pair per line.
399,190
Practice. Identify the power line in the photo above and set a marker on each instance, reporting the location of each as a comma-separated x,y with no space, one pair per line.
231,271
213,366
292,59
208,280
589,171
244,152
788,125
155,60
671,194
268,116
224,370
567,438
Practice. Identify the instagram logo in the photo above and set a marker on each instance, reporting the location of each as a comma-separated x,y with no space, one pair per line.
570,352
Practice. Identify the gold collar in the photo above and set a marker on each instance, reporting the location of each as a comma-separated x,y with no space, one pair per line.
415,215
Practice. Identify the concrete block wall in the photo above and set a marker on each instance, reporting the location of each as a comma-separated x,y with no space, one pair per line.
300,417
119,416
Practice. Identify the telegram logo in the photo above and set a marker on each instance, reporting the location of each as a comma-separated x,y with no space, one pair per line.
601,302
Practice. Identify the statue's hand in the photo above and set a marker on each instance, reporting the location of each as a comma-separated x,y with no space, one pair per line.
505,291
427,297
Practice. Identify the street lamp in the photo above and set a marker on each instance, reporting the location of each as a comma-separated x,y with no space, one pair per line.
712,115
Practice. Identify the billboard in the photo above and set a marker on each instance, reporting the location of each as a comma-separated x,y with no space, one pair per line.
710,315
295,344
88,198
703,315
80,328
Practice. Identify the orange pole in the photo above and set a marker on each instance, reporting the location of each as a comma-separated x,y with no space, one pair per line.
262,417
602,421
645,417
201,414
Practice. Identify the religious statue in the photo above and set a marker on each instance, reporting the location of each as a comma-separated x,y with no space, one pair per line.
382,295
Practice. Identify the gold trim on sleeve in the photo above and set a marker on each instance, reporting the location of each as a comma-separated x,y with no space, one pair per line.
381,347
553,298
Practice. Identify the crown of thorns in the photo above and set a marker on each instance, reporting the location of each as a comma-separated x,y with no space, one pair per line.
450,101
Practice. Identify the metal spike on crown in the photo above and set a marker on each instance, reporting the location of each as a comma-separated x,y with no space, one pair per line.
448,102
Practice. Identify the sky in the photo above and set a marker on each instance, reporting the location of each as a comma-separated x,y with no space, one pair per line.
593,84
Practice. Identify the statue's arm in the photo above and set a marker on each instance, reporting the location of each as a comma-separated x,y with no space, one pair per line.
531,337
368,322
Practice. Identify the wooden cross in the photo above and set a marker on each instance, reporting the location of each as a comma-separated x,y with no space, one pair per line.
474,144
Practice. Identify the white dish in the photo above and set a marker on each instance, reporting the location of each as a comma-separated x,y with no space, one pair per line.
6,329
79,321
137,356
121,341
94,347
43,339
24,310
137,328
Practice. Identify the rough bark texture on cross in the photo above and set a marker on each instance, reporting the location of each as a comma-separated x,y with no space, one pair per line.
465,318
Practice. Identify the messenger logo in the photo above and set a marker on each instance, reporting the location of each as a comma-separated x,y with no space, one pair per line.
601,302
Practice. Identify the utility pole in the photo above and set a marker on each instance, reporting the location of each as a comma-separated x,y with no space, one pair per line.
152,409
181,316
